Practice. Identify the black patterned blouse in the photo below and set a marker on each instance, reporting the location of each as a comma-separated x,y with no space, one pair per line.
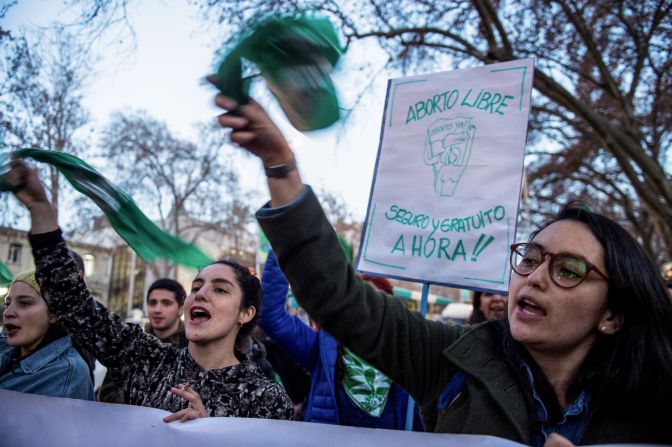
146,368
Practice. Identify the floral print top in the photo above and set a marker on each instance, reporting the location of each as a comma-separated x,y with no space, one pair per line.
145,367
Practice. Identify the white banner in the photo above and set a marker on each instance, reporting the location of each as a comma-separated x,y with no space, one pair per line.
30,420
444,199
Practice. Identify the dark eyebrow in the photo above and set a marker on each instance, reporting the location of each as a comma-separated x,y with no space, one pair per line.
571,253
224,280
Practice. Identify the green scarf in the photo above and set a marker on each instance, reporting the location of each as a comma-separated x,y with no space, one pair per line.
367,387
296,56
148,240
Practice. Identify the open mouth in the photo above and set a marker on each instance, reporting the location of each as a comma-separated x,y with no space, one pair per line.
498,311
198,314
12,329
530,307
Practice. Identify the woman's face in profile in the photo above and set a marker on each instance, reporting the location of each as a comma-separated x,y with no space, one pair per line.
547,317
212,310
26,317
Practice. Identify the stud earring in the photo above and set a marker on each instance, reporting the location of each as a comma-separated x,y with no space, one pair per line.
604,329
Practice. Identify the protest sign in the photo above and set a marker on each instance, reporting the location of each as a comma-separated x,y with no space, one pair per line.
446,188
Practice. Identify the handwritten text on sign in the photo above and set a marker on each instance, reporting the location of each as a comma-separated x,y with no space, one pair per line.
445,195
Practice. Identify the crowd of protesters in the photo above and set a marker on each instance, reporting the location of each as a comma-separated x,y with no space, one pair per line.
579,352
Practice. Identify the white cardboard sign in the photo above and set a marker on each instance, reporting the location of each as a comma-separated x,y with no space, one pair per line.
444,199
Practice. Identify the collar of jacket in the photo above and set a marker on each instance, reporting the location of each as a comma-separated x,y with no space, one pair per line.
36,361
172,338
478,353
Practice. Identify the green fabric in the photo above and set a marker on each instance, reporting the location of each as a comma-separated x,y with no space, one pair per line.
263,248
420,355
367,387
148,240
296,56
5,275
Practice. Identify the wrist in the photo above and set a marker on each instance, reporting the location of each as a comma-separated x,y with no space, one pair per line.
43,218
40,208
280,170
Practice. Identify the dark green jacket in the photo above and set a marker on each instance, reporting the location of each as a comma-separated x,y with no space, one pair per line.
419,354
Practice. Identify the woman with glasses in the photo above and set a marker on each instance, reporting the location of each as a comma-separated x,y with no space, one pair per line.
584,356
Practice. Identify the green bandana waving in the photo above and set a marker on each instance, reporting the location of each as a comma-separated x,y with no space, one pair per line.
367,387
141,234
295,56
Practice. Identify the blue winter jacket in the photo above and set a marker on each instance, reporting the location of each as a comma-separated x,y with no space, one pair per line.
315,351
56,370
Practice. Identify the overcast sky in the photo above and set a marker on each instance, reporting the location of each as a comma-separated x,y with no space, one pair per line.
163,75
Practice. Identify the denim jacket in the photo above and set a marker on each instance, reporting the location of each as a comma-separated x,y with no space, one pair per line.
55,370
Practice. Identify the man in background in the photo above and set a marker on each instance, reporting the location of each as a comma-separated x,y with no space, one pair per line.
165,304
165,301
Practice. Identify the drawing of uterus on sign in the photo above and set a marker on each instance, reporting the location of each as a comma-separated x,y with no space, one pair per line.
447,151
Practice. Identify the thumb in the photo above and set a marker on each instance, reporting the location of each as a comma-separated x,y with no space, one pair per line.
556,440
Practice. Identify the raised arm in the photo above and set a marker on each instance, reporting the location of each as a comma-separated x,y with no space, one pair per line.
94,327
293,335
379,328
255,131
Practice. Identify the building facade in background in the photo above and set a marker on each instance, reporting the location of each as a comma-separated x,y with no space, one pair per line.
15,252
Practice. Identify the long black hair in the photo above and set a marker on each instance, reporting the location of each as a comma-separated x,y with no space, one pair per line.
634,365
477,315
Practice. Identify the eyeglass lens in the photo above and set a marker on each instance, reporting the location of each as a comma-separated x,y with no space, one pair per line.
565,269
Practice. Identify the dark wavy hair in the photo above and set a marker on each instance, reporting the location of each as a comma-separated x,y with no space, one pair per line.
251,293
477,315
634,364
